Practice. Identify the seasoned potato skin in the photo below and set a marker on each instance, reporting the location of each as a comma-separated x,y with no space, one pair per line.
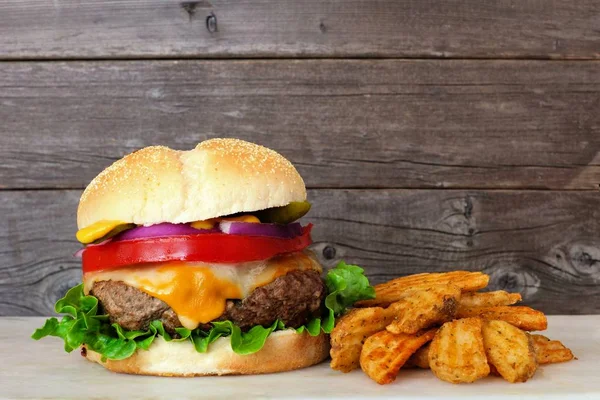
509,350
457,353
385,353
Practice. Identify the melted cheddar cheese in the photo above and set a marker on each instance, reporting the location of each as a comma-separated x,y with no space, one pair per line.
211,223
96,230
198,292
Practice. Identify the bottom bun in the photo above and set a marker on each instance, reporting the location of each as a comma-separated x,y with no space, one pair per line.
283,351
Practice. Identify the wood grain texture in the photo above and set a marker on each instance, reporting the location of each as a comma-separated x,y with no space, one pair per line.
542,244
344,123
300,28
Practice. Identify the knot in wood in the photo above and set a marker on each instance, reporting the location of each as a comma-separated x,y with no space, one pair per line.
514,278
585,260
211,23
190,8
459,218
329,252
322,27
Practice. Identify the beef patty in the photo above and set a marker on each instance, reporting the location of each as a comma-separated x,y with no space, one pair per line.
294,298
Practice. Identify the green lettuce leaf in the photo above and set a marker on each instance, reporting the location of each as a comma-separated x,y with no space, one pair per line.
110,347
313,328
202,339
48,329
245,342
346,284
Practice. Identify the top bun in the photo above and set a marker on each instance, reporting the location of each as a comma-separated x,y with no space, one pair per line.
219,177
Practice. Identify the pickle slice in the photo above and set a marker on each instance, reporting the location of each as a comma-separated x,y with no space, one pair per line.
286,214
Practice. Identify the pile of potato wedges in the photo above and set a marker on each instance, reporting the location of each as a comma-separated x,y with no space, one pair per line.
442,322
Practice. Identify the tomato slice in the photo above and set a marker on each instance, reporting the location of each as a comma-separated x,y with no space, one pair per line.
208,247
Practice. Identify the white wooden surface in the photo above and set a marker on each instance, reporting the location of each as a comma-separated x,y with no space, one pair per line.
34,370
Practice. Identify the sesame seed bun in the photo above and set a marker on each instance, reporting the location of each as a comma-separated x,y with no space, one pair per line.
219,177
283,351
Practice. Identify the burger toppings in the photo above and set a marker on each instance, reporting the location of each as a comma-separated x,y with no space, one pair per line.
214,222
86,322
105,229
275,230
131,308
286,214
294,299
161,230
207,247
198,292
101,231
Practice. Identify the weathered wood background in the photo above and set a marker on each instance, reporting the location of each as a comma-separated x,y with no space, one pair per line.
433,135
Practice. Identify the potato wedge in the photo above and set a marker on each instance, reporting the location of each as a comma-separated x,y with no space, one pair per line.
509,350
457,354
522,317
385,353
392,291
494,371
422,308
550,351
489,299
351,331
420,359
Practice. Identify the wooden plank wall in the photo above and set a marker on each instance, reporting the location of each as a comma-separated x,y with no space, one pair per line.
432,135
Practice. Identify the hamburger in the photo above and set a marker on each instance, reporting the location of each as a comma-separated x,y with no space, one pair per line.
194,263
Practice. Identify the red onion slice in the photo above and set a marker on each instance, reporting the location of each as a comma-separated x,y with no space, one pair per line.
230,227
253,229
79,253
159,230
